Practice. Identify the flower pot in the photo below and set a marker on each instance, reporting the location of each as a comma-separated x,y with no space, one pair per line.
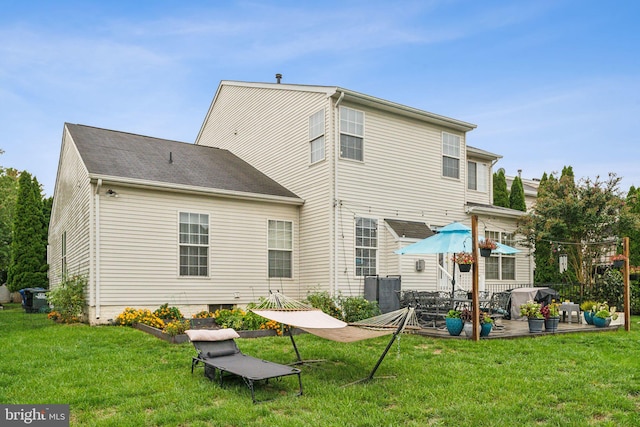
601,322
588,317
551,324
454,326
535,325
468,329
486,328
618,263
485,252
464,268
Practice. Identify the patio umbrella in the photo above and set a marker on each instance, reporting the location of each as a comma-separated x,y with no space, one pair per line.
453,238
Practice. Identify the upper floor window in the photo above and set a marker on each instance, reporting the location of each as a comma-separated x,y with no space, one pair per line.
366,246
316,136
450,155
194,244
351,133
280,246
500,266
477,176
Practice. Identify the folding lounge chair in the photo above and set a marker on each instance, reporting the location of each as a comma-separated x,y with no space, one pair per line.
217,350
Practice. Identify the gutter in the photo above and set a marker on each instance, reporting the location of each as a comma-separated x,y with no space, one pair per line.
97,248
191,189
336,201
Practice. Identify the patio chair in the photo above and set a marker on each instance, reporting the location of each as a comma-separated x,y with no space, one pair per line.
500,305
217,350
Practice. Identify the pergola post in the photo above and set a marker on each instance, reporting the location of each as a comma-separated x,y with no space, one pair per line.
475,301
627,290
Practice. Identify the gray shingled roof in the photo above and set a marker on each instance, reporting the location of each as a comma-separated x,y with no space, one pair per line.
410,229
125,155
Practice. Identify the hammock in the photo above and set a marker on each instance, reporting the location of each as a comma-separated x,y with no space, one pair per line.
291,312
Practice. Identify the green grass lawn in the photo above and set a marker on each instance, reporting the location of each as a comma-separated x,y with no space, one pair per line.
117,376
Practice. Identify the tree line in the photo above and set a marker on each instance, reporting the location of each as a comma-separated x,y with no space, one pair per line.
24,224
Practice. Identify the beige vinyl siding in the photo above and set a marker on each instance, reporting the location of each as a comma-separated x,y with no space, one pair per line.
71,214
278,120
139,252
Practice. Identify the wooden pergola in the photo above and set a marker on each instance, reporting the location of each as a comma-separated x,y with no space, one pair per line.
474,282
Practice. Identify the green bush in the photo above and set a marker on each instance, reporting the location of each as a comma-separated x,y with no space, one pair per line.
168,313
67,298
358,308
324,302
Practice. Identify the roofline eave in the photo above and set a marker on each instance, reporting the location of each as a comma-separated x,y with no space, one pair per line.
193,189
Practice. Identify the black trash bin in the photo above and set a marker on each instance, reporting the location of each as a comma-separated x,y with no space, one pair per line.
34,300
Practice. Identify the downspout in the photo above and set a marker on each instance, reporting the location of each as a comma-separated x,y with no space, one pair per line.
336,201
97,249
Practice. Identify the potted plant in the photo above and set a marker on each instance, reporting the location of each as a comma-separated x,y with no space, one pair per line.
486,246
466,317
587,309
486,324
618,260
604,314
551,314
464,261
454,322
531,310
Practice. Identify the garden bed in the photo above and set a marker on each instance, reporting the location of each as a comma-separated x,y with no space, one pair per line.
181,338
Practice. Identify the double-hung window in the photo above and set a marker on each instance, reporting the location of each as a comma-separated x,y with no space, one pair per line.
280,247
316,136
194,244
450,155
477,176
351,134
500,266
366,246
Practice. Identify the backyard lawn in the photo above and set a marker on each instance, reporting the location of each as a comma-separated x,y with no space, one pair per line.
119,376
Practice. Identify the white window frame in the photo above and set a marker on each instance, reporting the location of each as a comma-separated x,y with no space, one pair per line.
316,137
279,249
193,238
451,153
366,246
506,264
351,134
478,180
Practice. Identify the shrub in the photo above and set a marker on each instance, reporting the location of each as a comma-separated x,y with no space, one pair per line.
168,313
358,308
230,318
131,315
324,302
68,299
176,327
204,314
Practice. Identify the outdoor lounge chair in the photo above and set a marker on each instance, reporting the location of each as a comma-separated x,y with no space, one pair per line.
217,350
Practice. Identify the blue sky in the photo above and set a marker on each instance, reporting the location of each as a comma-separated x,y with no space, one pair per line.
549,83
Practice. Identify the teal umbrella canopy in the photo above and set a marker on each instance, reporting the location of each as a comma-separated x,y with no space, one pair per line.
453,238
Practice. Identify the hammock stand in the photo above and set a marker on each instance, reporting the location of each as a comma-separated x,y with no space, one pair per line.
294,313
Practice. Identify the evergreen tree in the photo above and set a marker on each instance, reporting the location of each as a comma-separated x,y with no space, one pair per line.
28,266
8,194
516,197
500,192
630,224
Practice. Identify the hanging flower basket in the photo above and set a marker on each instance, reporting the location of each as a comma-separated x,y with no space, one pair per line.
486,246
618,260
465,268
485,252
